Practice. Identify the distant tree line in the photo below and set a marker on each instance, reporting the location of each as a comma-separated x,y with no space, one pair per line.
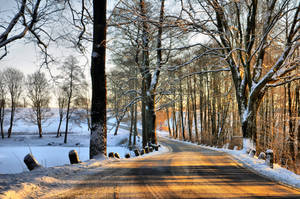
69,89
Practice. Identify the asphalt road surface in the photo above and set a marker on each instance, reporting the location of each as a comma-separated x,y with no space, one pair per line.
186,172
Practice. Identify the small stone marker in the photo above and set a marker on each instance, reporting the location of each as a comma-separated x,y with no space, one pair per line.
31,162
150,149
270,158
147,149
73,156
252,153
127,155
248,150
136,152
262,156
111,155
117,155
142,152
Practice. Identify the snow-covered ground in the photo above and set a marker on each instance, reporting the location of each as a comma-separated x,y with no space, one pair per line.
57,173
42,181
51,151
259,166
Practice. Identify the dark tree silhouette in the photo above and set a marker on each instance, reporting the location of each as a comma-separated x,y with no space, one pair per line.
98,108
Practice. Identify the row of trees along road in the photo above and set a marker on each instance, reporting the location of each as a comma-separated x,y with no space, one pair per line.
216,67
72,95
254,41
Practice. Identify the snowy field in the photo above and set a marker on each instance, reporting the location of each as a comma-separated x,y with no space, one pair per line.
51,151
258,166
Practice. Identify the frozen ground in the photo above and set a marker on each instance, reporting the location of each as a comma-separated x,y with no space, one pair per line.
259,166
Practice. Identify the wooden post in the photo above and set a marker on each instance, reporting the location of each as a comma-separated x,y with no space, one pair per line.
31,162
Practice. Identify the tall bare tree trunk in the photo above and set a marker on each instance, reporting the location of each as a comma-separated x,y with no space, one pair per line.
98,107
291,139
39,122
2,113
181,110
194,99
12,115
68,115
174,120
298,115
135,130
188,104
168,121
146,75
59,125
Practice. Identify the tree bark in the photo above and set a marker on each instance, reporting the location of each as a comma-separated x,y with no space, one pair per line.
146,75
2,113
39,123
298,113
68,117
168,121
291,139
194,99
135,130
12,115
98,107
181,110
189,111
174,120
59,125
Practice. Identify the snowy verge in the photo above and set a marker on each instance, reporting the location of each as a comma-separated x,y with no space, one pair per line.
55,179
278,173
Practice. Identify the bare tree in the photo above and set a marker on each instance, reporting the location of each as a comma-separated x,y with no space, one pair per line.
14,81
3,93
73,83
83,111
34,19
243,44
39,94
61,102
